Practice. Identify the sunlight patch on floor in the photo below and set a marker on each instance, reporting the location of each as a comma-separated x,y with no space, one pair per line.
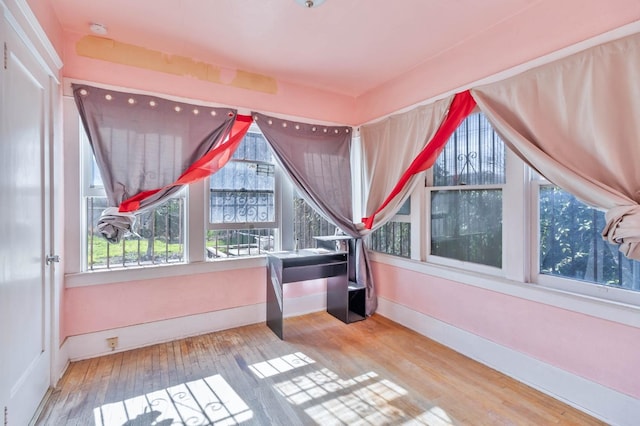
204,401
280,365
434,417
329,399
320,393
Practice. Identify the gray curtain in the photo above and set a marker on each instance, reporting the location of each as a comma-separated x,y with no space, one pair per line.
144,143
576,121
317,158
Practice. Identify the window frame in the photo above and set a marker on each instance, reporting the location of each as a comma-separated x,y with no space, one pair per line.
87,167
275,225
584,288
511,165
277,178
77,176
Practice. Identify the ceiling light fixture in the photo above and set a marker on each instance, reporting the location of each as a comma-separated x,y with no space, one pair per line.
98,28
310,3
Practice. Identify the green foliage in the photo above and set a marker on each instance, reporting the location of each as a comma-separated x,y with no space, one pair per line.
392,238
160,231
162,252
467,225
571,245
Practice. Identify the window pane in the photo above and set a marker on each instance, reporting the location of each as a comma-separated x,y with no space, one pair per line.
253,147
244,190
241,206
96,179
225,243
307,223
392,238
467,225
405,208
571,245
474,155
161,237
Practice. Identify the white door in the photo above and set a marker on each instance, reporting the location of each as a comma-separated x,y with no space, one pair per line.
25,352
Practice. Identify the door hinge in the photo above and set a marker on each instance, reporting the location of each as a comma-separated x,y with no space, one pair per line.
6,416
5,55
52,258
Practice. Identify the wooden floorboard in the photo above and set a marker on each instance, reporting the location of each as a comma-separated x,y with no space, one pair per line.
325,372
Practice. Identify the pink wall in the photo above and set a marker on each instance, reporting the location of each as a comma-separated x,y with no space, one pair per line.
290,99
102,307
43,10
599,350
565,23
482,55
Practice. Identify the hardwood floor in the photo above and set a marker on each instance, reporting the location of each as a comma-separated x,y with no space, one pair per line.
325,372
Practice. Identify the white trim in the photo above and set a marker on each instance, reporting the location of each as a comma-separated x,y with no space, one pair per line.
26,24
112,276
464,265
136,336
599,401
74,252
599,308
588,288
515,228
94,344
418,226
197,214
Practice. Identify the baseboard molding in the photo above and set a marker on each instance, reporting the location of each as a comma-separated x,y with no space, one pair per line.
137,336
599,401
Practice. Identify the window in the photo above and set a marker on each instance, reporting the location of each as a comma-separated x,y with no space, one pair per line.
160,232
394,237
571,245
242,214
242,202
308,223
466,195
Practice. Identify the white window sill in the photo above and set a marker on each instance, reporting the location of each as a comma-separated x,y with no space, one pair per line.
113,276
589,305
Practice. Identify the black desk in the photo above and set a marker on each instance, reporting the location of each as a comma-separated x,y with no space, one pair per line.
310,264
288,267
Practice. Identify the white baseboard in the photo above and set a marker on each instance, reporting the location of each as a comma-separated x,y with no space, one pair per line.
597,400
90,345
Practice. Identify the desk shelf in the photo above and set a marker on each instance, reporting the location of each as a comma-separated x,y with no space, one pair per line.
345,299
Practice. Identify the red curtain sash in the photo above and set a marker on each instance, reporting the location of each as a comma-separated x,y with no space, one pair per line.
205,166
461,106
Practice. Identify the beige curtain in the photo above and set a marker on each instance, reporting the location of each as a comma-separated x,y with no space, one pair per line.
388,147
577,122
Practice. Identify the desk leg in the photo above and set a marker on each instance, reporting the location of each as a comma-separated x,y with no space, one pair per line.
338,296
275,296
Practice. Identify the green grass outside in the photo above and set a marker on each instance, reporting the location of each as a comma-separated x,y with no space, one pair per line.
175,251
